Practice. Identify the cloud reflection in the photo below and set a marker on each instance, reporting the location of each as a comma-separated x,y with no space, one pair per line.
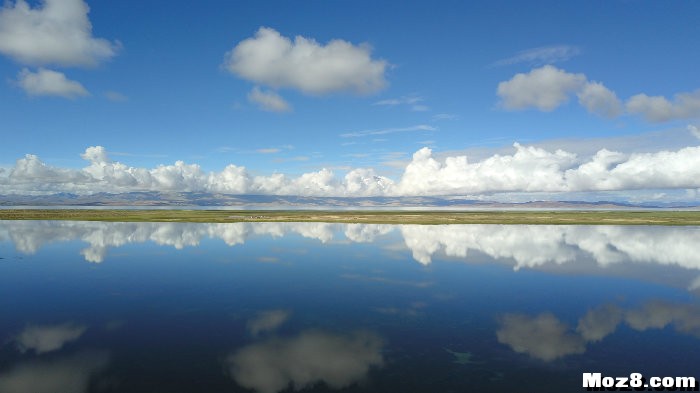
523,246
267,321
305,360
70,374
546,338
42,339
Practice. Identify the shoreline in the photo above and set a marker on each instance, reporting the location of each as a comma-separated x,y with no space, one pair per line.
544,217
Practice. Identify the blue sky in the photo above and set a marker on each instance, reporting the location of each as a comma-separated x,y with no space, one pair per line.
291,88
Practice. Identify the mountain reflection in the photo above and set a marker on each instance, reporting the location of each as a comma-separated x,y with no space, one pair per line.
523,246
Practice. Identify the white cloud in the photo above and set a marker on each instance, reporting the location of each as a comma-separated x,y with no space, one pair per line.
384,131
528,169
548,87
413,102
543,337
305,360
70,374
543,88
49,83
659,108
598,99
267,321
268,100
542,55
41,339
694,130
57,32
269,58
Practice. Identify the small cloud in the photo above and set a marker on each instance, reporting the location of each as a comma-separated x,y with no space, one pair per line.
49,83
541,55
445,116
413,102
419,127
274,60
543,88
115,96
268,100
271,150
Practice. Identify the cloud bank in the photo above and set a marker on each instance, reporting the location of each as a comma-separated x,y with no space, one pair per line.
528,169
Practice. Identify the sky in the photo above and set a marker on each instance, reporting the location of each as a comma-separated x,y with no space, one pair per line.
502,100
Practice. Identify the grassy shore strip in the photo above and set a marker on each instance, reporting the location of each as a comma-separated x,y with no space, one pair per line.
374,217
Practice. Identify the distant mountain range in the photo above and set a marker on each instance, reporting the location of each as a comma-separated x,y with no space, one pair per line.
200,199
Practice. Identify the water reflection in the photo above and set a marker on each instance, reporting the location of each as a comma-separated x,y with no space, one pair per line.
42,339
66,374
312,357
523,246
547,338
183,307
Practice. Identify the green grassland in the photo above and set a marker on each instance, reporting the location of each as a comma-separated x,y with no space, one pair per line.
596,217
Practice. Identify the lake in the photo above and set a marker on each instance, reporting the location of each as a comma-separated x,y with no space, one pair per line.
316,307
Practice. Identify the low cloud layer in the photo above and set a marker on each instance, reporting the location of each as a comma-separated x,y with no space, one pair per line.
546,88
273,60
527,169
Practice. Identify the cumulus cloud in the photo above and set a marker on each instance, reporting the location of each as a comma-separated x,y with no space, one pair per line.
70,374
49,83
659,108
268,100
274,60
600,100
548,87
56,32
41,339
543,88
543,337
267,321
528,169
310,358
541,55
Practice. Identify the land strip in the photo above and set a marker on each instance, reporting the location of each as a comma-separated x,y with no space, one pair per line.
595,217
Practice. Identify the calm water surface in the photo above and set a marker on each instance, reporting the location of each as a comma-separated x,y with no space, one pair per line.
314,307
